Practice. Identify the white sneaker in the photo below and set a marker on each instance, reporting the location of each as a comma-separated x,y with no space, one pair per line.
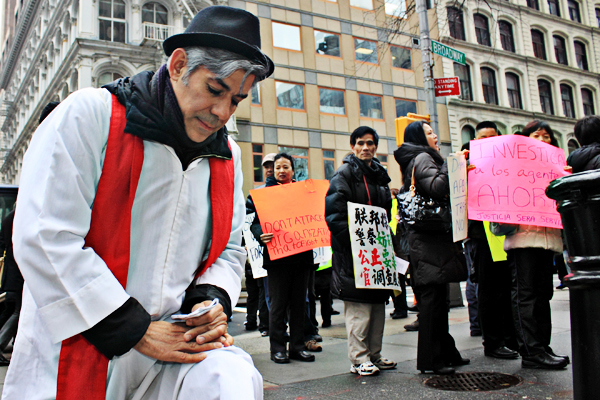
366,368
384,363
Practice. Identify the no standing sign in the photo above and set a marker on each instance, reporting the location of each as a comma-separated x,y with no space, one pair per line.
447,86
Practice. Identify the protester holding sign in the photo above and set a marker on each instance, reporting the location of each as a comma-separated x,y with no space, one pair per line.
530,250
288,279
434,258
361,179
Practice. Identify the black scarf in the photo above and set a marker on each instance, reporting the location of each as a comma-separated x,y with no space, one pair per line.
153,113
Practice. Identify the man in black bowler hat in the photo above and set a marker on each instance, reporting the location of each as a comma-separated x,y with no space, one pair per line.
129,223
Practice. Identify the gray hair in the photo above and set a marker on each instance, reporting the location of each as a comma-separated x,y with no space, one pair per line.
220,62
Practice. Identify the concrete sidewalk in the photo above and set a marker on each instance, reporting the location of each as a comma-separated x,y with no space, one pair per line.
329,376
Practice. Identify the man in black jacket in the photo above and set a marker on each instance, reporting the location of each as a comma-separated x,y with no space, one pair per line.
360,179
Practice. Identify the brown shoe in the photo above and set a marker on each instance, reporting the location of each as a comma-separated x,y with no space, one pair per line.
312,345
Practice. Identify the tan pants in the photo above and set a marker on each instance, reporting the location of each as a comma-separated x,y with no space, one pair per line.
364,325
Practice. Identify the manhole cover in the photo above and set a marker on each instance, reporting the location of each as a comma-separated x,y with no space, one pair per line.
473,381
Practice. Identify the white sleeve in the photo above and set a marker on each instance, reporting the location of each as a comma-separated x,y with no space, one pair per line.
226,272
71,285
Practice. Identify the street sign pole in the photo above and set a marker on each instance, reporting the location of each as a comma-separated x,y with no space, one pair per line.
421,8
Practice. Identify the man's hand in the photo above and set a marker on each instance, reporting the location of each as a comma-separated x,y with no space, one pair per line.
266,237
210,327
165,341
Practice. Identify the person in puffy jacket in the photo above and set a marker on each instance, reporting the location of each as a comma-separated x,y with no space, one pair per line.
587,157
435,260
530,251
360,179
288,279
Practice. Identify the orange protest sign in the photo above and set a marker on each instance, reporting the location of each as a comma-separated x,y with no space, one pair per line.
295,215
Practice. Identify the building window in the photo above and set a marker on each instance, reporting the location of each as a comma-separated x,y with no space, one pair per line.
488,81
300,156
456,23
482,30
289,95
112,20
257,156
364,4
514,90
467,134
554,7
581,56
560,50
588,102
332,101
545,90
464,76
533,4
598,17
328,163
506,36
327,44
403,107
107,78
286,36
396,8
574,11
401,57
566,94
539,48
255,94
365,50
155,13
370,106
383,160
572,145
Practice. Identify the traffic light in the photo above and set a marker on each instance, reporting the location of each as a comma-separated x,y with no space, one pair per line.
402,123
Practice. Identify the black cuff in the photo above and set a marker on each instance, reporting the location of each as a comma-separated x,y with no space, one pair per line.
204,292
116,334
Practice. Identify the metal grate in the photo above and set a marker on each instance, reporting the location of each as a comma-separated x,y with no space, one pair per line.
473,381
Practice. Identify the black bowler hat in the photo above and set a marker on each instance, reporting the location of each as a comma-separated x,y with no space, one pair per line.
225,28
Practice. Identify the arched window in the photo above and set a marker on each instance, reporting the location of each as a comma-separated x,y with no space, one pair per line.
533,4
581,56
514,90
572,145
566,94
588,102
539,47
464,77
488,82
467,133
112,20
155,13
506,36
554,7
482,30
574,11
108,77
456,23
545,89
598,17
560,50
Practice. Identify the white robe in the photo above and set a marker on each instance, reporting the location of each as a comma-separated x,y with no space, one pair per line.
69,288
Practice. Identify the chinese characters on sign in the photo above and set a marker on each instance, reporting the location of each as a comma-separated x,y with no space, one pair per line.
372,249
254,249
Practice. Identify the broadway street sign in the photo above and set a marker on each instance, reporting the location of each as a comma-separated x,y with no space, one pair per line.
448,52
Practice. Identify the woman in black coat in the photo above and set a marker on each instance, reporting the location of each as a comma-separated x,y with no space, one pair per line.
434,258
587,157
288,279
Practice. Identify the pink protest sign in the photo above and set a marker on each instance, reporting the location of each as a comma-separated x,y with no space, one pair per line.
510,179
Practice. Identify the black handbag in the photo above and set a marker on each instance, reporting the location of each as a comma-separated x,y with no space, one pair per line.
424,214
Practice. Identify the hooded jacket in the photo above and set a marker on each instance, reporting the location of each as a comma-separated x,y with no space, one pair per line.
585,158
434,258
348,184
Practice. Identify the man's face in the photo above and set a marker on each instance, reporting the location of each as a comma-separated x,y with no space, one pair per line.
485,133
365,148
206,102
268,169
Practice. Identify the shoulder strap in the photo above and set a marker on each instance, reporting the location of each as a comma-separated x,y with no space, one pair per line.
82,368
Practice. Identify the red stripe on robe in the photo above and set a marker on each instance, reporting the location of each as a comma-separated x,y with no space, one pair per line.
82,369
